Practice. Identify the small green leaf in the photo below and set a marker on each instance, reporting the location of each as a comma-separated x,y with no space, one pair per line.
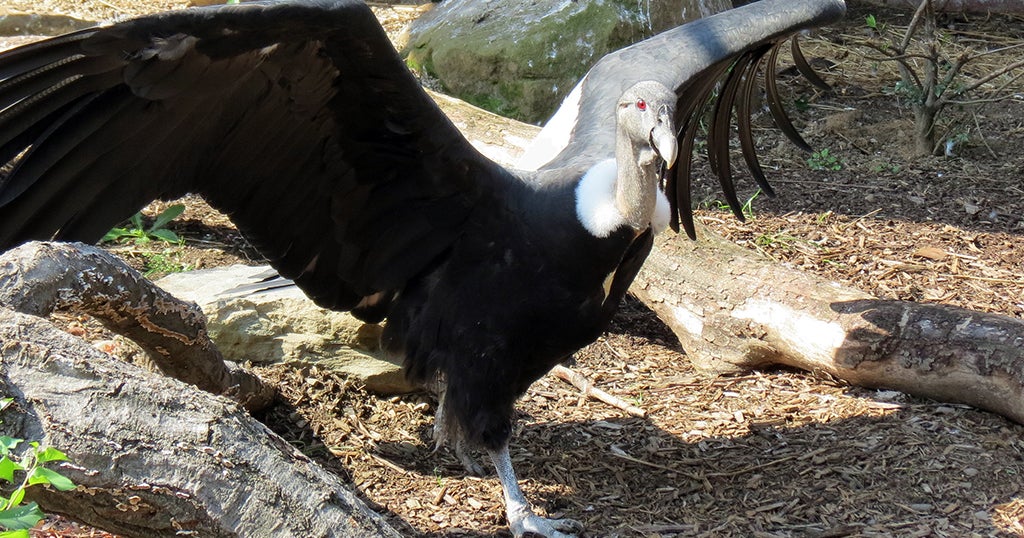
115,234
20,533
21,517
42,475
5,403
871,22
136,220
7,444
16,498
7,468
167,215
50,454
165,235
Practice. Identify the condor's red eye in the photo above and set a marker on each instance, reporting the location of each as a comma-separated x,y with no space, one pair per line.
641,104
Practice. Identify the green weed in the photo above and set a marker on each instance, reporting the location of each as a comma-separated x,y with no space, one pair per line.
16,516
163,263
823,159
157,231
777,240
890,168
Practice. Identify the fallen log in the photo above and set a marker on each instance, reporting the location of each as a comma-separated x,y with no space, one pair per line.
39,278
734,310
155,457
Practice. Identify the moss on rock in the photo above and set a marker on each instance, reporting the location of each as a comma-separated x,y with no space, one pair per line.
522,62
520,59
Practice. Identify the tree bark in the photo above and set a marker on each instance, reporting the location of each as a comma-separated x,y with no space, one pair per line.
155,457
734,311
39,278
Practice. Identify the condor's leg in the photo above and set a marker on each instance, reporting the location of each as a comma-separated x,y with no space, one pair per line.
521,519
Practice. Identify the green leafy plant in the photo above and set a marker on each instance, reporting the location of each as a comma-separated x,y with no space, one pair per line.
156,231
891,168
823,159
16,516
874,24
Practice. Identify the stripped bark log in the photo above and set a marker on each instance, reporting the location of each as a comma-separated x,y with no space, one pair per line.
155,457
734,310
40,278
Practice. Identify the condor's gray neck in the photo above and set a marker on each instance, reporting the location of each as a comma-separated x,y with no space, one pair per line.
636,184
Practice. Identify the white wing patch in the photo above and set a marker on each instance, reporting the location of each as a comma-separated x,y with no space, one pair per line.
553,138
595,200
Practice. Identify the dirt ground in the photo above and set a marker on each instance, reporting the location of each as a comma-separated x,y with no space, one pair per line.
769,454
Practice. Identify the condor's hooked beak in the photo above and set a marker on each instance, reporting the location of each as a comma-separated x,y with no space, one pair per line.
663,138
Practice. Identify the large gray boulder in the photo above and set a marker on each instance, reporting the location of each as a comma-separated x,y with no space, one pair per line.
519,59
17,23
283,325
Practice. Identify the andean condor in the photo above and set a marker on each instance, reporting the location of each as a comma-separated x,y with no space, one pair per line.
299,120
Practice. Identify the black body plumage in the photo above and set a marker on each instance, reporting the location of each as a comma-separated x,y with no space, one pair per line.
300,122
499,312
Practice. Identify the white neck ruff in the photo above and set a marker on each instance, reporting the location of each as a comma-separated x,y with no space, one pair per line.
595,202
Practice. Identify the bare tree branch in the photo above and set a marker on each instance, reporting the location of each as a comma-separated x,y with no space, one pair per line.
40,278
587,388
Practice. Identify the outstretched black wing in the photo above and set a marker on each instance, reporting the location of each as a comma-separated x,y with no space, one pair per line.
693,58
297,119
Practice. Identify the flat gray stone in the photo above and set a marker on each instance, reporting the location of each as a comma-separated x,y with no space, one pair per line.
282,325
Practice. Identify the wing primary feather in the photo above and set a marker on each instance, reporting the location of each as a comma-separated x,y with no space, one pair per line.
42,79
693,99
775,103
25,114
743,114
35,55
18,181
805,68
683,198
718,144
71,166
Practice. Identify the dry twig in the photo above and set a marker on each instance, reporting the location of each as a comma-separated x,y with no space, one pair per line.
588,388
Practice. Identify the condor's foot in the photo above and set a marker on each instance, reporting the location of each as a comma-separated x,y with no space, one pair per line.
521,519
530,524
